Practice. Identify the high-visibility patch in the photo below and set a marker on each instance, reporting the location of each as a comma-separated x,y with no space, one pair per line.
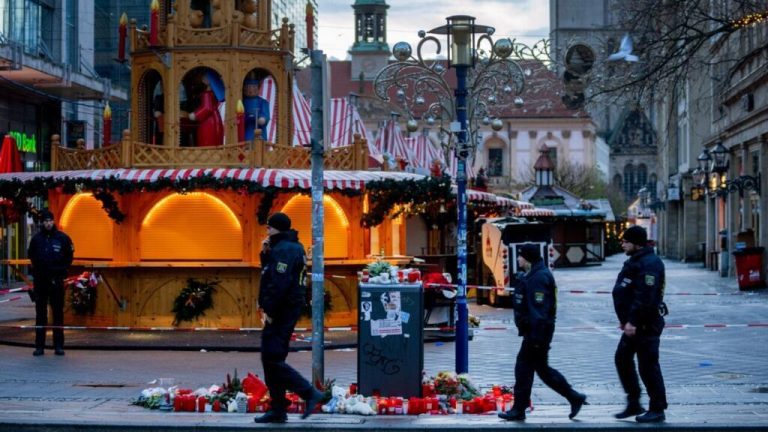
650,280
538,297
282,267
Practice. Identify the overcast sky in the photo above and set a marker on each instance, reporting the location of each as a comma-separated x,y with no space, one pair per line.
527,20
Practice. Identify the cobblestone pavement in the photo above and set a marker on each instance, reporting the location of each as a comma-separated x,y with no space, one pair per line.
714,353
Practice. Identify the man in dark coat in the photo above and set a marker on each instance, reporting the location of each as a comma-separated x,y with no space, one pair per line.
281,296
638,298
535,304
50,252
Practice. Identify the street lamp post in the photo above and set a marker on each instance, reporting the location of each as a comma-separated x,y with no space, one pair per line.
488,79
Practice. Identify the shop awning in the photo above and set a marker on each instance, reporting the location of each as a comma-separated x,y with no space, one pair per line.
531,212
474,195
282,178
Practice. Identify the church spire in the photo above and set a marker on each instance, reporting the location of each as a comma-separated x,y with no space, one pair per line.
370,26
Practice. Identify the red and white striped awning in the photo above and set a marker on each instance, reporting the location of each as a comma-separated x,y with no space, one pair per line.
268,91
474,195
282,178
345,121
302,118
536,212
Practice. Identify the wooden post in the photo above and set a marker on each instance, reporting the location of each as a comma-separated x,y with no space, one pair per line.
126,149
55,144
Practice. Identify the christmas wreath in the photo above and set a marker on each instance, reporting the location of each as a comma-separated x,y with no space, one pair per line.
194,300
82,290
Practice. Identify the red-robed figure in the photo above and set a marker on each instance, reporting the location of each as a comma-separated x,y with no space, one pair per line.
210,129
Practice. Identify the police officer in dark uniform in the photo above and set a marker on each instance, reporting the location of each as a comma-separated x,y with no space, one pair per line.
281,296
50,252
535,304
638,297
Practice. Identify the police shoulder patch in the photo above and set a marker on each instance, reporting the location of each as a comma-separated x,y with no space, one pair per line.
650,280
281,267
538,297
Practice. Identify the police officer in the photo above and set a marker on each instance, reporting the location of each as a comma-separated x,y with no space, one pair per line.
638,297
535,304
281,296
50,252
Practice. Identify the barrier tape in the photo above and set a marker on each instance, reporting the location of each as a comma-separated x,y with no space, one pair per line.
14,290
500,327
10,299
167,329
580,328
574,291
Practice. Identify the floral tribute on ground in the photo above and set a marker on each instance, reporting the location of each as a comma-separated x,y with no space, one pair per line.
446,393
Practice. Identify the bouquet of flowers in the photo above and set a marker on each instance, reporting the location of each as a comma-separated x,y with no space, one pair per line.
460,386
82,289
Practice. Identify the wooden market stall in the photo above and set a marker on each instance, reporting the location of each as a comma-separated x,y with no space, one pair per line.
183,195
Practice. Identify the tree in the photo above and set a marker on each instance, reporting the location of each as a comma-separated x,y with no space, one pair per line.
674,39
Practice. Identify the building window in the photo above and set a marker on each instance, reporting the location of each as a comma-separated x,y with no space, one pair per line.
495,162
73,42
641,176
629,181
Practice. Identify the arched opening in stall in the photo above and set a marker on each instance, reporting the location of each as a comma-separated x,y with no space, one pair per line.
335,232
193,226
201,99
151,106
259,96
89,227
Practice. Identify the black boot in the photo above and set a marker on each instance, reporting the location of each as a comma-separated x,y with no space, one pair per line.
312,402
272,417
38,352
633,408
651,417
577,400
513,415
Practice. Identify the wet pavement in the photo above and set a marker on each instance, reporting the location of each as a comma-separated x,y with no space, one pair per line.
714,356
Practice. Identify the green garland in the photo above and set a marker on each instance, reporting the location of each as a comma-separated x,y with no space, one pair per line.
194,300
384,195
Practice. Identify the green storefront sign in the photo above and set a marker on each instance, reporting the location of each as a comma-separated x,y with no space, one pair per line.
24,143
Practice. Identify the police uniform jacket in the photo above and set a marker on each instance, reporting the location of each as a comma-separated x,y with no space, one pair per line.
283,274
639,291
50,252
535,304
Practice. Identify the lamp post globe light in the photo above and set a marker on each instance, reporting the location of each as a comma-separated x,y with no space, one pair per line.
489,78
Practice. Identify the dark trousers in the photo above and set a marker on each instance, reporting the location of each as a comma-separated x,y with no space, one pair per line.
278,375
535,358
49,290
646,347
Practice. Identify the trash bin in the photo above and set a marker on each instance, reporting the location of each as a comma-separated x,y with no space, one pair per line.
749,267
390,349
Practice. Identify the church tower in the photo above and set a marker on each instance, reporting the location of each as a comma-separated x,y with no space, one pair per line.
370,52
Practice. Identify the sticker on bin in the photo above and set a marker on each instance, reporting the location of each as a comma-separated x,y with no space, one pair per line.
386,327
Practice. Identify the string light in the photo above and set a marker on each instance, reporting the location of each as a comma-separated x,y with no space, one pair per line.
750,20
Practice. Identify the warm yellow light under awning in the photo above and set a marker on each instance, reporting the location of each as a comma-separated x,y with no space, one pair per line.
193,226
89,227
336,232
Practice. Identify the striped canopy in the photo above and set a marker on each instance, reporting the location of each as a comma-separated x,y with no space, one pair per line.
281,178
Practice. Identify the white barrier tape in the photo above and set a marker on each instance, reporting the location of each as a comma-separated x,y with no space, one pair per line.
580,328
10,299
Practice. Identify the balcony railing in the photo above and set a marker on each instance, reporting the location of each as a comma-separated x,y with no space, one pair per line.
262,154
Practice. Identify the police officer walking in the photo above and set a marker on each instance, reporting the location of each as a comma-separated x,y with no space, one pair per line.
638,298
281,296
535,304
50,252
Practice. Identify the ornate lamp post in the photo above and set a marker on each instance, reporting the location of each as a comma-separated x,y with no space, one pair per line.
487,79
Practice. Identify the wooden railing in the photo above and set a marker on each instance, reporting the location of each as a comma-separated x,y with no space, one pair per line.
133,154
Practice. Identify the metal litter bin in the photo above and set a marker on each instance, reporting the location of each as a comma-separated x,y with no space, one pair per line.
390,349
